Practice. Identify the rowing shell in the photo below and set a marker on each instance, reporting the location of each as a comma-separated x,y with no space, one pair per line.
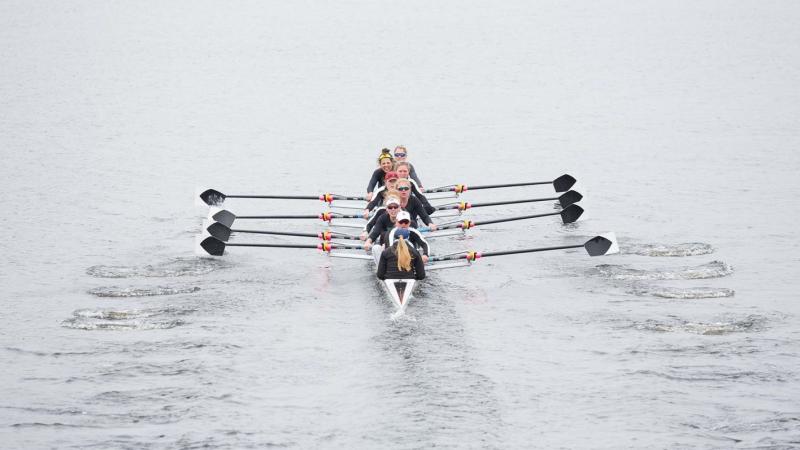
399,291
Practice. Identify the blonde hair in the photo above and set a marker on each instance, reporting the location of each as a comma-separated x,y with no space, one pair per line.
400,147
403,255
387,193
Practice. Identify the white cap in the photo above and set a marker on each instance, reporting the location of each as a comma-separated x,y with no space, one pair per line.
391,200
403,215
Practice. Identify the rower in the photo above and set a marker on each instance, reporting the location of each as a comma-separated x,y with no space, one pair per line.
386,164
413,205
400,260
383,221
401,155
403,170
380,194
403,222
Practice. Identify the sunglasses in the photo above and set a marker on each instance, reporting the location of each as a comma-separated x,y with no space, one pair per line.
404,222
392,207
404,188
400,155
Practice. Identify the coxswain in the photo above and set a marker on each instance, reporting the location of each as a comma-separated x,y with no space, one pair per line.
400,260
380,194
385,164
401,155
403,222
413,205
403,170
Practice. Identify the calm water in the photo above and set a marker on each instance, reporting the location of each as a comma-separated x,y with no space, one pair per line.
679,119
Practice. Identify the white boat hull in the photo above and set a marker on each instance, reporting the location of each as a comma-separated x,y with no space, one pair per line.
398,291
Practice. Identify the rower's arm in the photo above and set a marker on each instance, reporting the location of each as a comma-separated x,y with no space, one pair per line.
419,268
419,241
381,273
373,181
413,174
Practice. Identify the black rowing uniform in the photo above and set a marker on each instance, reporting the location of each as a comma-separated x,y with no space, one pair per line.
413,174
377,179
415,237
413,207
387,265
377,198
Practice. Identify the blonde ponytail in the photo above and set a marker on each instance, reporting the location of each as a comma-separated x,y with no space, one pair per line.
403,256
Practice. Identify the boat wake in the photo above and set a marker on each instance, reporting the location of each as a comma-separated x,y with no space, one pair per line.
713,269
682,293
749,323
176,267
675,250
116,291
133,319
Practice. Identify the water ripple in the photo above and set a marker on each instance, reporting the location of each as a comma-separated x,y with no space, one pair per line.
675,250
682,293
116,291
714,269
176,267
133,319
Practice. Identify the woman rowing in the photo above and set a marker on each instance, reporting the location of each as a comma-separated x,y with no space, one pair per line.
401,155
403,222
403,170
400,260
386,164
407,202
382,221
380,194
413,205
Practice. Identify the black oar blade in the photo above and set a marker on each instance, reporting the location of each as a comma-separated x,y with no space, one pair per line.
212,197
224,217
602,245
571,213
213,246
219,231
569,198
563,183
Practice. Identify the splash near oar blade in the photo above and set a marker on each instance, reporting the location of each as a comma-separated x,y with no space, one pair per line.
564,183
605,244
212,197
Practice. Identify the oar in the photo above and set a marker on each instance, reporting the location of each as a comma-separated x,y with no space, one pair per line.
568,215
564,199
560,184
227,218
223,233
605,244
216,247
213,197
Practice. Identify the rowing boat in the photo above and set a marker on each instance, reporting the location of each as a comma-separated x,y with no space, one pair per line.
217,231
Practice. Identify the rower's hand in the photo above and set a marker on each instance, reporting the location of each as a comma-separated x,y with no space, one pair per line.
432,227
366,213
367,246
363,236
369,196
425,259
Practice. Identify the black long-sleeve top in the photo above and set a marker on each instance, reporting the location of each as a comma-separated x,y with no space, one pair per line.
387,265
377,179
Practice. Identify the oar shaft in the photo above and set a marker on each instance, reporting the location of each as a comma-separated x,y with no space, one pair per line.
305,216
511,202
276,233
529,250
286,197
273,245
493,186
511,219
